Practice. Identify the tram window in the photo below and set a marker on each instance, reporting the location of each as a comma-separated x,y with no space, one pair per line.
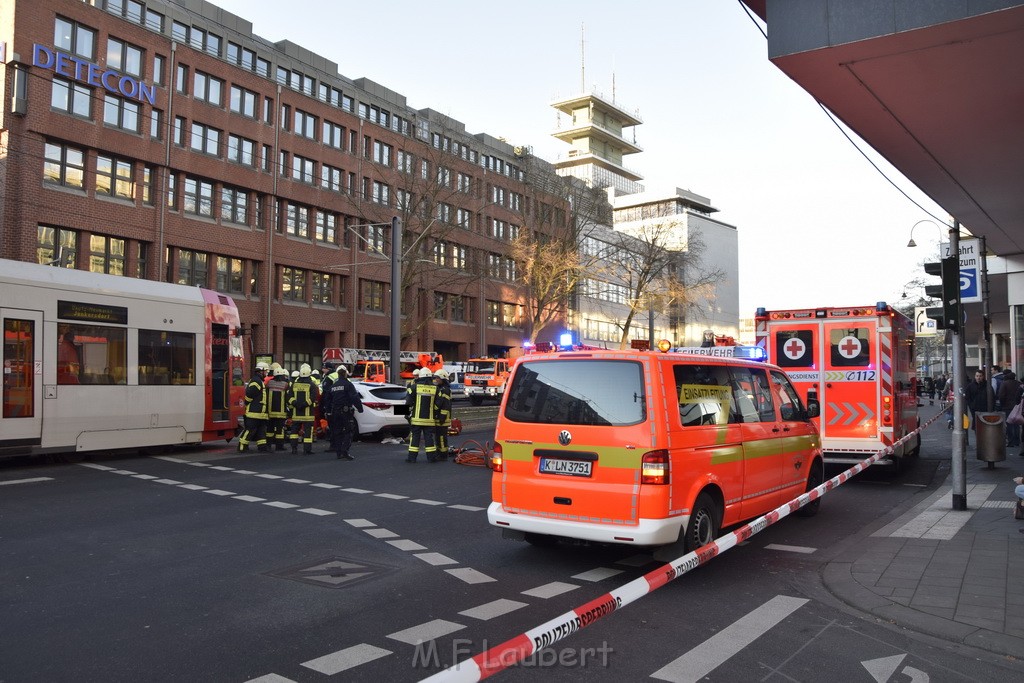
91,354
166,357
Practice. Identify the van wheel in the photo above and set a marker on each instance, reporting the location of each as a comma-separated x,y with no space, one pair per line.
814,479
705,520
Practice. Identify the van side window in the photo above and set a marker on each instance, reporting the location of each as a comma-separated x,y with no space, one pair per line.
790,407
752,395
705,397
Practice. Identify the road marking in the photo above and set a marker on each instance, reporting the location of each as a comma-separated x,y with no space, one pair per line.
297,481
490,610
790,548
199,464
599,574
167,481
350,657
434,558
144,476
250,499
245,471
269,476
327,486
390,496
469,508
381,533
193,487
404,544
716,650
424,632
940,522
359,523
25,481
423,501
357,490
317,511
123,472
283,506
222,468
470,575
270,678
550,590
220,492
170,459
94,466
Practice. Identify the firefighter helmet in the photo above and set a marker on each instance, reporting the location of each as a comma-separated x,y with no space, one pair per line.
441,373
262,366
305,370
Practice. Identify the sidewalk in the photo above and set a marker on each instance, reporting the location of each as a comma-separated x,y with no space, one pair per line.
955,575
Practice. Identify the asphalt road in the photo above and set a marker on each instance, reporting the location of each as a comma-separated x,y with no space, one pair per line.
201,565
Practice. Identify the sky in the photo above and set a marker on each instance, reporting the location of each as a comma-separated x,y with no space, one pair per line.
817,224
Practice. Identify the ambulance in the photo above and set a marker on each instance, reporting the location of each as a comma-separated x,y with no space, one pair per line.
647,448
859,364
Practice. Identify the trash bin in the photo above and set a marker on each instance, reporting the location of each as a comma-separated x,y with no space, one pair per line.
991,435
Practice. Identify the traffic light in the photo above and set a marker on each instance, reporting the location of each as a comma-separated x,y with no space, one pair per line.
948,315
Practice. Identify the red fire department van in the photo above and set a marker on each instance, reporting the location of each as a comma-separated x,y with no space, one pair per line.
859,363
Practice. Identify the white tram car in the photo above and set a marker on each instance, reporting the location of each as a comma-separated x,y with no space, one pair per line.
96,362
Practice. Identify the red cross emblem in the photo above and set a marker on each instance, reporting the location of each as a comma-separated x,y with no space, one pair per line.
794,349
849,347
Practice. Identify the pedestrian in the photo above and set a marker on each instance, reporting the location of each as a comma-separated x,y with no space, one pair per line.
254,421
976,396
343,404
947,396
929,388
277,408
444,412
1009,396
420,400
997,380
302,403
1019,491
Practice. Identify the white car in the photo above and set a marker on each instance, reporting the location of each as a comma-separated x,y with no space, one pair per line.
383,408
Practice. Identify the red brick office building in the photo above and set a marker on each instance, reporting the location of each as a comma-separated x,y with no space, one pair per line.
166,141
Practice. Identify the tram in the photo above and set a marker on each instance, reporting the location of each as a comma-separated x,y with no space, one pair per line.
95,362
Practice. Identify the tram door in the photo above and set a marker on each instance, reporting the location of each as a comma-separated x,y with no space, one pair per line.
21,422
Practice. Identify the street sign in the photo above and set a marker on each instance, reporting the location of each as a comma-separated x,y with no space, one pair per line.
923,325
970,270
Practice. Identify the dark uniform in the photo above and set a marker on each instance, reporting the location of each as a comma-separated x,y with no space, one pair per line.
421,402
343,403
277,408
330,377
302,402
255,419
443,409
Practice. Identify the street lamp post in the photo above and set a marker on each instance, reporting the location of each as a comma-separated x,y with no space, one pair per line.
396,299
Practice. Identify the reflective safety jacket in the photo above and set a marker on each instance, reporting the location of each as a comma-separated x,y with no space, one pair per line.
303,399
277,397
256,399
443,403
421,401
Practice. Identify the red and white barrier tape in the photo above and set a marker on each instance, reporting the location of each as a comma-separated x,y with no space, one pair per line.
509,653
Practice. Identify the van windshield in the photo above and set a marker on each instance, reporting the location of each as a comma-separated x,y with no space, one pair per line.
577,392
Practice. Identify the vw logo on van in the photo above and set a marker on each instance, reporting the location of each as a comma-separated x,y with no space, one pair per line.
564,437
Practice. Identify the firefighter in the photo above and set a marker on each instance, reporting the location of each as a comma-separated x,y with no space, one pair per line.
343,403
444,412
302,403
277,407
421,402
255,419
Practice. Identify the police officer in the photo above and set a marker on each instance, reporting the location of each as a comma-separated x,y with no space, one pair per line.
443,405
277,407
254,421
343,403
302,402
330,375
421,400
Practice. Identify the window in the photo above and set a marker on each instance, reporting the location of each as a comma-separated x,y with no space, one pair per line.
241,150
440,305
178,134
334,135
229,275
205,139
293,284
752,395
92,354
172,191
243,101
498,196
443,212
192,268
403,199
166,357
458,304
198,197
382,153
791,408
381,193
297,220
795,349
444,176
71,98
124,57
64,166
156,128
460,258
114,178
465,183
321,288
331,178
705,395
406,162
493,313
204,41
56,246
375,240
373,296
244,57
106,255
154,21
464,218
234,205
141,259
303,169
494,266
850,347
441,253
305,124
147,185
329,94
181,79
121,113
326,227
296,80
268,111
179,31
207,88
70,36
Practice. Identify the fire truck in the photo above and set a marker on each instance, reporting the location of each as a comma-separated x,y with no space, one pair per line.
485,377
859,363
371,365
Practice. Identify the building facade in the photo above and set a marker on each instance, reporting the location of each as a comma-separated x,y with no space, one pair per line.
166,141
